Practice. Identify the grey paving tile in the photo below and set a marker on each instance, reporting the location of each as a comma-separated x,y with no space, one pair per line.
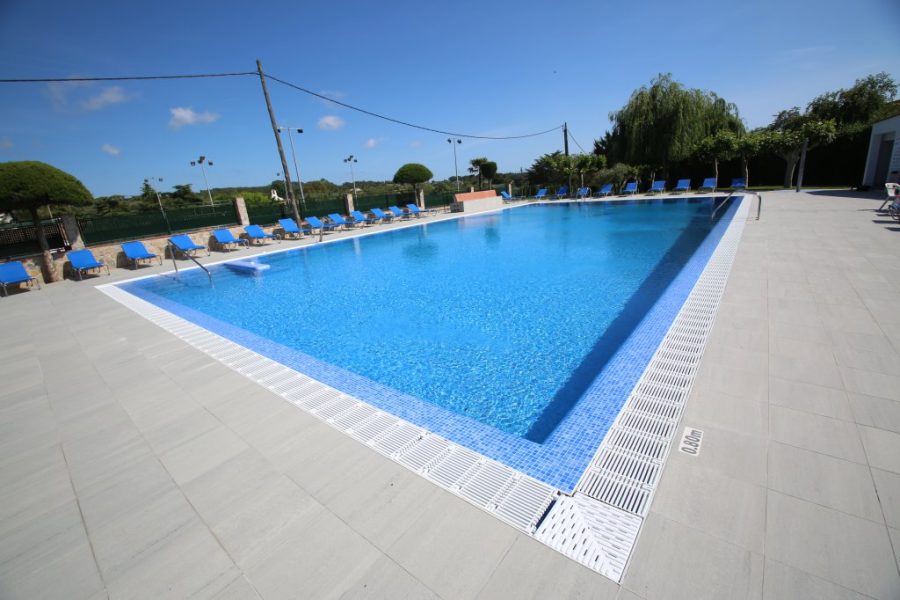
33,497
871,383
825,401
728,452
531,570
734,382
784,581
882,448
727,412
801,349
216,494
279,513
386,579
860,342
884,311
895,542
625,594
875,412
824,373
723,507
736,358
382,504
675,561
202,453
843,318
824,480
188,563
68,576
320,564
832,545
239,589
887,363
453,537
888,486
737,338
816,433
44,539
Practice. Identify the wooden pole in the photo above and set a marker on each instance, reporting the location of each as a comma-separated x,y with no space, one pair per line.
289,189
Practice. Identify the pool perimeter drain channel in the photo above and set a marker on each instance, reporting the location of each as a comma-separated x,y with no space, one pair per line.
598,525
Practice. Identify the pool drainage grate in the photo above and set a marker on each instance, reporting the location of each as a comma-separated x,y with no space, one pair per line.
599,523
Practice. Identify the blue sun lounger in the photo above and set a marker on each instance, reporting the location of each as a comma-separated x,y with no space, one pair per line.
135,252
256,233
562,192
739,183
361,218
419,211
83,261
289,227
540,194
507,197
398,212
708,184
658,187
383,215
630,188
684,185
339,220
225,239
315,223
14,272
582,192
186,245
606,190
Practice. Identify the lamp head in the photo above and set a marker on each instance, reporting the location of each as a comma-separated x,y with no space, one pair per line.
193,163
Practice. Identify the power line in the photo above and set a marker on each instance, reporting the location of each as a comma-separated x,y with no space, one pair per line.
371,114
126,78
576,141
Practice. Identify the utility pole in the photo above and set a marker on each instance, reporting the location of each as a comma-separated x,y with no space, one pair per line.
566,141
289,191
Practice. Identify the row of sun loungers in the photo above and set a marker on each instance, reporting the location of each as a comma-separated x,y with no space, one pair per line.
658,187
84,261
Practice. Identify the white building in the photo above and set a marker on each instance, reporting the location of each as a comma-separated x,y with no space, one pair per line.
883,161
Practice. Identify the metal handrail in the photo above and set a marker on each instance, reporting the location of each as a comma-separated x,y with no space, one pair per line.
728,197
173,248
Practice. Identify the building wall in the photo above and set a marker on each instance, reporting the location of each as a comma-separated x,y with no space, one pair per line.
889,129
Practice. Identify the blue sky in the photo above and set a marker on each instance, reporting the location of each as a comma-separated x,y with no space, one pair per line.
484,68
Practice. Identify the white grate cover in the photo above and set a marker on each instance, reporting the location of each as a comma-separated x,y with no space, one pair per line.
599,524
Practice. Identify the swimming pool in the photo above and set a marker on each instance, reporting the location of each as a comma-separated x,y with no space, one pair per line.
517,334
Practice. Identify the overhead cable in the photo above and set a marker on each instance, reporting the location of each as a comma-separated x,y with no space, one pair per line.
399,122
136,78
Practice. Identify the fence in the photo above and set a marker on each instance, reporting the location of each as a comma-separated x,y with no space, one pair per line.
268,214
101,230
20,239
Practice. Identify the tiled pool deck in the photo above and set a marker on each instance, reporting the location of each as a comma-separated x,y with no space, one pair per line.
133,465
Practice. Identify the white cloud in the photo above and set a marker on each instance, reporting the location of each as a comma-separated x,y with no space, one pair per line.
371,143
111,150
336,94
182,116
6,143
109,96
58,92
415,143
331,122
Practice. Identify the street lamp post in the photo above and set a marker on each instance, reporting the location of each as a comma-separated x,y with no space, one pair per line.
296,170
149,182
455,168
352,160
201,160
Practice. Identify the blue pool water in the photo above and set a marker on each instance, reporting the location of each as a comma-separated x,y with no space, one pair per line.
488,329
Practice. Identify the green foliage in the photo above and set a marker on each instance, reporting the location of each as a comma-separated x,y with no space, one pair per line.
28,185
413,173
617,175
665,122
488,170
862,103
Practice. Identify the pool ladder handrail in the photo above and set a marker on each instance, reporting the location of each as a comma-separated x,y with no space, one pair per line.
173,248
728,197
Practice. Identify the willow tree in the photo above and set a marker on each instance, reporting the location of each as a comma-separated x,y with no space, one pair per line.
29,185
665,122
